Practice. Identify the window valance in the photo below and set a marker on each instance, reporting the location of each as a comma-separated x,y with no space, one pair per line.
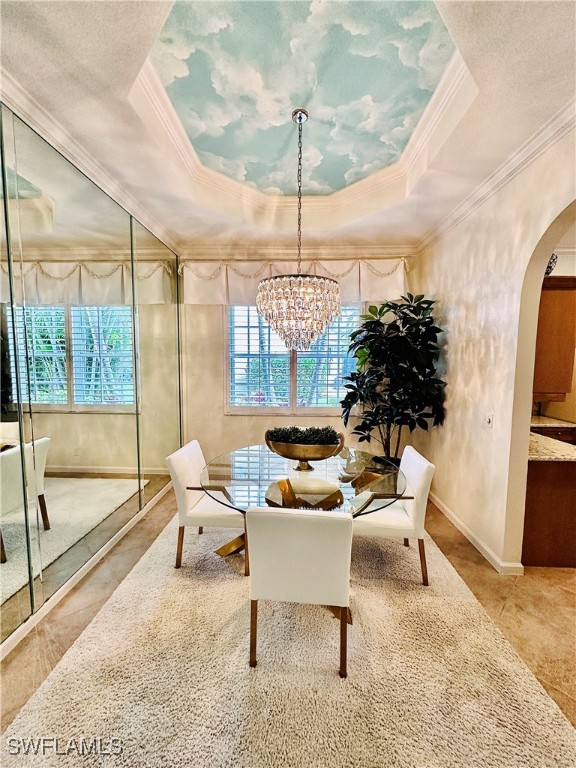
234,282
96,283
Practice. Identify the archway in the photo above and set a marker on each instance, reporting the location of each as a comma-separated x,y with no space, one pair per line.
525,357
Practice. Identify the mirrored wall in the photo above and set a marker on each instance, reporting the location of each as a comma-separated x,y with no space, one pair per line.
90,404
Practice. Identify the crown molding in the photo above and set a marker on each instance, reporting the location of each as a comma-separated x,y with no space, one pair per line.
149,92
325,252
30,111
558,126
454,94
455,79
212,189
386,187
223,194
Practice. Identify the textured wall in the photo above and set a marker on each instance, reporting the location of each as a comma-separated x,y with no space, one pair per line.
477,273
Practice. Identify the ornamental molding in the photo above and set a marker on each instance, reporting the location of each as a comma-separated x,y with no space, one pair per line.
28,109
269,213
320,252
389,186
538,144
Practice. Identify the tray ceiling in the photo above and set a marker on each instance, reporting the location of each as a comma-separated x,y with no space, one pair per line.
90,76
234,71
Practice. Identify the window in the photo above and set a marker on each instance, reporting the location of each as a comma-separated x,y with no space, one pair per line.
264,374
78,356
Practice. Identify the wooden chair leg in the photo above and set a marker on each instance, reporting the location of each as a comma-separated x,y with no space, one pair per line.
343,641
44,512
253,631
200,530
2,550
423,562
406,543
179,547
246,558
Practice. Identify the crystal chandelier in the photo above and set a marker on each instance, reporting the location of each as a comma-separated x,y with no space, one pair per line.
298,307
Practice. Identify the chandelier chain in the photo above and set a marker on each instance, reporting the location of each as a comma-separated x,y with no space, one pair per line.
298,307
299,197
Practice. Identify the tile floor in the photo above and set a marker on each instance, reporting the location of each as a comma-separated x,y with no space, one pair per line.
536,612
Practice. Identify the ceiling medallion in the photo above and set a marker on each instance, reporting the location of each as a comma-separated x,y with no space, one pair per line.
298,307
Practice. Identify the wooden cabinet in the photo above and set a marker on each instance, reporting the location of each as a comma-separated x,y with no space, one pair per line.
565,434
556,340
550,519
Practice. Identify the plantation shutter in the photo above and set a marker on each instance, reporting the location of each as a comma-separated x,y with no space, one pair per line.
41,338
102,355
320,370
260,366
259,362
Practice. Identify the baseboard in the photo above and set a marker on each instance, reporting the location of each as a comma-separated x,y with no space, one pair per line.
502,566
20,632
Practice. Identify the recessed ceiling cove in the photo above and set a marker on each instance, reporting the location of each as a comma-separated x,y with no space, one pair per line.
365,71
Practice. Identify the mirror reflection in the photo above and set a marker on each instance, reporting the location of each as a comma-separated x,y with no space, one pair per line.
155,289
89,306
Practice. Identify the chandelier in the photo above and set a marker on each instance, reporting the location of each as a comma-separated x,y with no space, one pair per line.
298,307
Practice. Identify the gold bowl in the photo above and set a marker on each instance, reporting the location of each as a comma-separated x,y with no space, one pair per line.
303,454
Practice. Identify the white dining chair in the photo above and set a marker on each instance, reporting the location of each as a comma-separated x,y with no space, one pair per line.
300,556
404,519
195,506
10,431
40,452
12,484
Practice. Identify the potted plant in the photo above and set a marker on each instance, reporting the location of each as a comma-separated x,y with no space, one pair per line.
395,384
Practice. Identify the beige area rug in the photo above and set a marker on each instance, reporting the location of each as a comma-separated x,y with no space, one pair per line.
163,669
76,505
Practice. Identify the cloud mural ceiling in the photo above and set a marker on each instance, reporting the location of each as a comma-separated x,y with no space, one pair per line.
365,71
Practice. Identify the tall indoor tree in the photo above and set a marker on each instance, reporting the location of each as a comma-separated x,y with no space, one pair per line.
395,384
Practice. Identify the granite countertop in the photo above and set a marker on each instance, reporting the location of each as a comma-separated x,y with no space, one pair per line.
547,449
548,421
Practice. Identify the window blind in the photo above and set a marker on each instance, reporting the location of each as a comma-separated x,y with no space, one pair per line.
259,361
73,355
40,339
102,355
263,374
320,370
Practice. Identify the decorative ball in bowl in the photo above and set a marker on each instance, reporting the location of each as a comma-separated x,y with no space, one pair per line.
304,445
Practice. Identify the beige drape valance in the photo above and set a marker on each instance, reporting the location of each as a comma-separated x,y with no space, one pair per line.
97,283
233,282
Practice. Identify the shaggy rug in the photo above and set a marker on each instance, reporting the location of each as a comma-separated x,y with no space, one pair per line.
75,507
161,676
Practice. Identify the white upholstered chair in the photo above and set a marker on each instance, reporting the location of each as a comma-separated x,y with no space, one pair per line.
40,452
300,556
10,431
11,483
195,507
404,519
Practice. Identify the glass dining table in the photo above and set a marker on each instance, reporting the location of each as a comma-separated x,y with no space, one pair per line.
352,481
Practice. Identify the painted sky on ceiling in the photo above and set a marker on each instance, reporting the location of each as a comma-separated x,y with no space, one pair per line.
365,71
